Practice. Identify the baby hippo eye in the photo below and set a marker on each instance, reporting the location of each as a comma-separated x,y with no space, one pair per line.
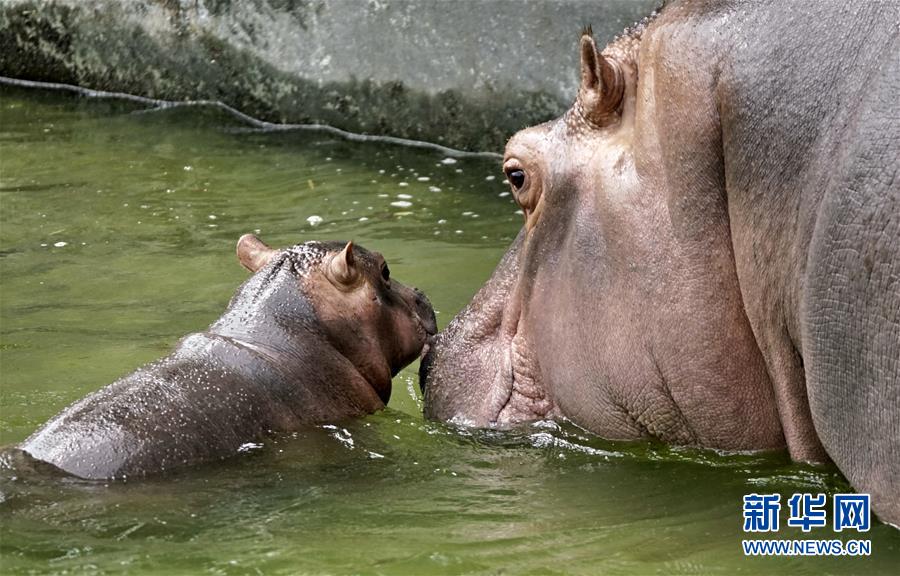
516,177
385,272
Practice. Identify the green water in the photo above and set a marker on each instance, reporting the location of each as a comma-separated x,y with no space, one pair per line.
149,206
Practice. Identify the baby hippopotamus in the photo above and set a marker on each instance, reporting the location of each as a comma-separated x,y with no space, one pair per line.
315,335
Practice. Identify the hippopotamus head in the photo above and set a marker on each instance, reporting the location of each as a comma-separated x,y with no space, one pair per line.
616,306
346,295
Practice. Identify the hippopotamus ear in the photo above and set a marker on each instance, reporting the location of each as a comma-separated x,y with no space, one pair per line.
253,253
343,267
602,83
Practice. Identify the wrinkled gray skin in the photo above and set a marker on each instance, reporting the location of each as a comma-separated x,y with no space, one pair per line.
315,335
711,248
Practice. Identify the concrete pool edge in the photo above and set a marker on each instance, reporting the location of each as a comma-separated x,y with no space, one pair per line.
464,75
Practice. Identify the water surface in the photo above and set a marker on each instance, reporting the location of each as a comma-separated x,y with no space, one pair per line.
117,233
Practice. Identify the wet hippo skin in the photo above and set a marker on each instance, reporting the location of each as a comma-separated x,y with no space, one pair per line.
315,335
711,247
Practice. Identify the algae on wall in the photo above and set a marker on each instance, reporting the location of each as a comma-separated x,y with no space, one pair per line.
464,73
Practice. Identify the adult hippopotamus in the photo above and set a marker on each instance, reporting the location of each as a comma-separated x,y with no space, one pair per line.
314,335
711,247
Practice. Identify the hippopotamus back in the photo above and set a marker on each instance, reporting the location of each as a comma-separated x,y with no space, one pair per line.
276,360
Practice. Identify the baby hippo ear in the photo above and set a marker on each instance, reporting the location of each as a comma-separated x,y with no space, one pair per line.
343,266
253,253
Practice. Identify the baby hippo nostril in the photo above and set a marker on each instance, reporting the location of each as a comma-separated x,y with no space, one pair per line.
426,316
425,313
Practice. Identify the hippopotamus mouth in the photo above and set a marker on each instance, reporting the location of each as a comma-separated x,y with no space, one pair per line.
512,391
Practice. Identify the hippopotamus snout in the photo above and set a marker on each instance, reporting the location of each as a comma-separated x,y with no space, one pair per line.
426,362
425,313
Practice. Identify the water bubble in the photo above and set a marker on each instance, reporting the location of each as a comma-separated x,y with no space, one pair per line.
449,161
490,178
60,244
403,184
363,219
401,204
434,189
423,178
188,168
404,196
503,194
442,221
212,216
315,220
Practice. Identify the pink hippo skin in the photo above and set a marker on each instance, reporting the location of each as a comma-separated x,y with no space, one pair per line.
711,247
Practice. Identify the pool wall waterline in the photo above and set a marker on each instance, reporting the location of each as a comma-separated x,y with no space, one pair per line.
462,74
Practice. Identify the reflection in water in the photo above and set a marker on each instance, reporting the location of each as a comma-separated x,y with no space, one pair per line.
117,238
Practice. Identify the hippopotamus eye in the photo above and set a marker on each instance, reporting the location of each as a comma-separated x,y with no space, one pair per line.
385,272
516,177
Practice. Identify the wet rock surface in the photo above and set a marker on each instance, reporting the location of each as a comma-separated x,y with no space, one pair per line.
463,74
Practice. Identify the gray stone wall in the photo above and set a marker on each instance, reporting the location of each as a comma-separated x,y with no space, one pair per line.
463,73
